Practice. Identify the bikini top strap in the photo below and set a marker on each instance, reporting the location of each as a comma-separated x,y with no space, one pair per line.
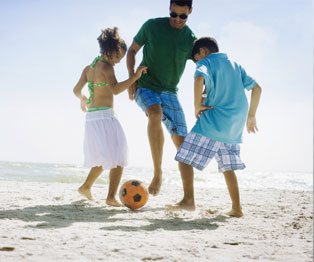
98,58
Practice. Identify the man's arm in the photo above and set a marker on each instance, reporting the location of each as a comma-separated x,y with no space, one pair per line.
251,120
130,63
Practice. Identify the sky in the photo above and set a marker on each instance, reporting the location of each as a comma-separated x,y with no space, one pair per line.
45,45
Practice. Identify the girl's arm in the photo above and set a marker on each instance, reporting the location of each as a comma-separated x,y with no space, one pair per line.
118,87
77,90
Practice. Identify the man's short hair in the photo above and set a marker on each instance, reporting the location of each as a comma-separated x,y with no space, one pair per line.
208,42
182,2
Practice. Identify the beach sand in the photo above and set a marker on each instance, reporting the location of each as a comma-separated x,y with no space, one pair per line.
52,222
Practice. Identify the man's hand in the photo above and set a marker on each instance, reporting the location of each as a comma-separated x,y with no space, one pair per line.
132,91
200,109
251,124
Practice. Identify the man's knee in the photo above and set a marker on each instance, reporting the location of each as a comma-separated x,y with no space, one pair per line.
177,140
154,113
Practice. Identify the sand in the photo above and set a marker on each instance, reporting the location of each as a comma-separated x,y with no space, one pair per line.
52,222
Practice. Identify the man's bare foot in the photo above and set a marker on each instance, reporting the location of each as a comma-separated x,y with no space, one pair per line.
113,202
154,186
235,212
187,205
85,192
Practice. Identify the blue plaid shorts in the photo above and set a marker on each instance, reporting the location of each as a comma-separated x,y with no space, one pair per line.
198,151
172,113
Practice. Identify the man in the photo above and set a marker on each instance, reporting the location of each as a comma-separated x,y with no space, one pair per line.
167,45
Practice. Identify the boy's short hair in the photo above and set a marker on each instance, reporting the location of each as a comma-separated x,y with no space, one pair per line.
182,2
208,42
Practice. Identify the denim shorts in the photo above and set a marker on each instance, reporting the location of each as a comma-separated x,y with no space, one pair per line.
198,151
172,113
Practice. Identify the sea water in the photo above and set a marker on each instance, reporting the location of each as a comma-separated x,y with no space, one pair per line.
67,173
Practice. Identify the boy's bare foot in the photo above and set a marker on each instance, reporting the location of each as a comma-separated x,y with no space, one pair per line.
154,186
85,192
187,205
235,212
113,202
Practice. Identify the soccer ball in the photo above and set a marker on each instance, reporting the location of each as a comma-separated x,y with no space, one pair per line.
133,194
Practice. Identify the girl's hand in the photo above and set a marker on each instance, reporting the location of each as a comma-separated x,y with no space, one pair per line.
200,109
84,105
251,124
139,71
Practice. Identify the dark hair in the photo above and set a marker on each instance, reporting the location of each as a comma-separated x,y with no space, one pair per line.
208,42
182,2
110,42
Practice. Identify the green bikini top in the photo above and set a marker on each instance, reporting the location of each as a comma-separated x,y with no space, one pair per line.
90,83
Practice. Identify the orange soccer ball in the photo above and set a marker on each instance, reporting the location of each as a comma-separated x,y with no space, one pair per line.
133,194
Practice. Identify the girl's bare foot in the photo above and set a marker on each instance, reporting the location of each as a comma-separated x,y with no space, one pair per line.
235,212
85,192
154,186
187,205
113,202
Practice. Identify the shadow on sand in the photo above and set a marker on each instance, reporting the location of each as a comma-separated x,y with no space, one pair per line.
60,216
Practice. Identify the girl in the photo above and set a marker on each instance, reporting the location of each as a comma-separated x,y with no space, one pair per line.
105,144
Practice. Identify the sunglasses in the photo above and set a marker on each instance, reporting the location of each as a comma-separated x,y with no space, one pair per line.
182,16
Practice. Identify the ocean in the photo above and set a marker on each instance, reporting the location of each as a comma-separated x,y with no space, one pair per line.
67,173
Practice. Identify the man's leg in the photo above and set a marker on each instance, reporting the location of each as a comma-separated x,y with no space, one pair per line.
156,141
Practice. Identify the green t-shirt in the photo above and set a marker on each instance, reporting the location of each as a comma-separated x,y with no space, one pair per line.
165,53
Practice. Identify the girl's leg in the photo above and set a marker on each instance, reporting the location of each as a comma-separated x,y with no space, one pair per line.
84,189
232,184
114,180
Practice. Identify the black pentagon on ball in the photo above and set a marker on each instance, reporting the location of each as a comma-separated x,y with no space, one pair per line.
124,192
135,183
137,198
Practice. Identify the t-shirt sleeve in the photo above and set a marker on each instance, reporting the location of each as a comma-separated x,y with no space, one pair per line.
193,38
202,70
141,37
248,82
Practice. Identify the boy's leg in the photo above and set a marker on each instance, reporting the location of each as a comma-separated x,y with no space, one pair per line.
156,141
232,184
84,189
114,181
187,176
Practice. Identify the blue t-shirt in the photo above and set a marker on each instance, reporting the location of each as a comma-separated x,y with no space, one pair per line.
225,82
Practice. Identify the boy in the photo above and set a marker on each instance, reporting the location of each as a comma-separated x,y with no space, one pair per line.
221,118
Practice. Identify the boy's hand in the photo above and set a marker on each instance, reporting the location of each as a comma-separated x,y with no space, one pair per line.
251,124
84,105
200,109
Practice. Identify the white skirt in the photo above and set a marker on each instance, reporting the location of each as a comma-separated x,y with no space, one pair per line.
104,141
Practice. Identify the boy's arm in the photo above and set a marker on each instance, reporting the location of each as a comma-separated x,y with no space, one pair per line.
251,120
77,90
198,96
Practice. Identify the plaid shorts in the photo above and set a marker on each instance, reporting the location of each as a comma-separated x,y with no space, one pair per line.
198,151
172,113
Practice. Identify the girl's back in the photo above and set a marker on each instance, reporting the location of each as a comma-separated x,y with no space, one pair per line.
100,93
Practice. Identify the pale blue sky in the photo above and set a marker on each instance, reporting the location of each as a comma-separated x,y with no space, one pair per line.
45,44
